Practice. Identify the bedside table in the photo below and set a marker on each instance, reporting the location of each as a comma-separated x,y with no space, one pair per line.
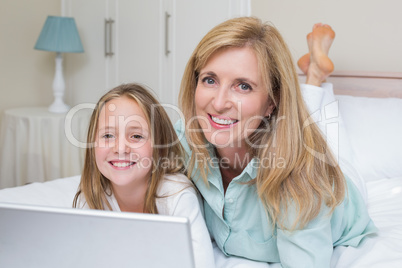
36,145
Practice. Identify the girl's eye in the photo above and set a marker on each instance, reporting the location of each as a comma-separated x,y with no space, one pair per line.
108,136
244,86
208,81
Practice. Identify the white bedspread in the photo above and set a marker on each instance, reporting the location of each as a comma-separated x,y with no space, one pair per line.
377,251
385,248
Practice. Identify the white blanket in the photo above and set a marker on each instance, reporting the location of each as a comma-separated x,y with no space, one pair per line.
381,250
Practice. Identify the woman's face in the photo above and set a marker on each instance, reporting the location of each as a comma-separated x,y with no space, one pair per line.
230,97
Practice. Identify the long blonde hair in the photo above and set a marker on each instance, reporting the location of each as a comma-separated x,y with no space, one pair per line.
167,152
311,176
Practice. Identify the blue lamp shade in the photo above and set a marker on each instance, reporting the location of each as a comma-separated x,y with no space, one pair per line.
59,34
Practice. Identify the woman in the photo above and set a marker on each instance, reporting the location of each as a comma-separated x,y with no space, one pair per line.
273,192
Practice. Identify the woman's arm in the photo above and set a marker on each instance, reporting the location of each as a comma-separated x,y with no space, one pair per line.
310,247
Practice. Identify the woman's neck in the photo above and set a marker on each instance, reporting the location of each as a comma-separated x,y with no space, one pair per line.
232,161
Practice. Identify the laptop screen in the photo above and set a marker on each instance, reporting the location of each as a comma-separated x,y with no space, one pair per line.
34,236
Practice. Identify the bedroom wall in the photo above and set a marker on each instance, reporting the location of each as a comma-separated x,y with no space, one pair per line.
367,38
26,74
368,33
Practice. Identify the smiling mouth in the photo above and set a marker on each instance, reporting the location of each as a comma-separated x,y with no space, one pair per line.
122,164
220,121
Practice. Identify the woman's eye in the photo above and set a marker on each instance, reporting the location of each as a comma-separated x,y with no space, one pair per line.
208,81
137,137
244,86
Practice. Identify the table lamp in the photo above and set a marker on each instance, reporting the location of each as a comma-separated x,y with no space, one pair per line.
59,34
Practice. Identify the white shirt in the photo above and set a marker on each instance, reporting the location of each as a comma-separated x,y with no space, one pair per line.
179,198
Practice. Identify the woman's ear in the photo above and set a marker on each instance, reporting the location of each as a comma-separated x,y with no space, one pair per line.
271,107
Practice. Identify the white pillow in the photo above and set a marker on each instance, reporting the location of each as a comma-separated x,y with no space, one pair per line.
374,129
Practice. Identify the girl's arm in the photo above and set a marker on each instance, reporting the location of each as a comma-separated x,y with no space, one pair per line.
187,205
185,202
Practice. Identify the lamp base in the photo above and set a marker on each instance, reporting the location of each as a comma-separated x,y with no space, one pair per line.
58,106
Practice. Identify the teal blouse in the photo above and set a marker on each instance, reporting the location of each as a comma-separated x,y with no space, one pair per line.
243,228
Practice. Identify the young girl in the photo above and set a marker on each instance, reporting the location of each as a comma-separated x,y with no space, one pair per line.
272,190
133,164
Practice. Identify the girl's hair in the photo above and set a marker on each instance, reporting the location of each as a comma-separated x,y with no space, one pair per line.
309,175
167,152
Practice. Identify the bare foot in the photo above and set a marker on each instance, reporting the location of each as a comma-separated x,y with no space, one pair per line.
320,66
304,61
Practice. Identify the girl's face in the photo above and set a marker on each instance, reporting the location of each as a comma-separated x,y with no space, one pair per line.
230,98
123,149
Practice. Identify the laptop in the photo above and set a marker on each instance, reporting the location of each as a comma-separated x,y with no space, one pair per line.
35,236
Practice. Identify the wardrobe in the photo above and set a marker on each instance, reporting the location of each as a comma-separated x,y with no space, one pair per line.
143,41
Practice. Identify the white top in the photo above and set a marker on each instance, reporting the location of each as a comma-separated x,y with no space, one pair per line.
179,198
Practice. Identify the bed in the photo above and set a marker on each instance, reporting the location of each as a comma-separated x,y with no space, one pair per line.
371,108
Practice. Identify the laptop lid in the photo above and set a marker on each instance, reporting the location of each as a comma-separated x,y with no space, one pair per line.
34,236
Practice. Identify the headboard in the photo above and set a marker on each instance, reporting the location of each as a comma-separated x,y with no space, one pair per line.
365,84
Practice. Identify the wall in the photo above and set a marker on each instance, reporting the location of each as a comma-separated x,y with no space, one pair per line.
26,74
368,33
369,37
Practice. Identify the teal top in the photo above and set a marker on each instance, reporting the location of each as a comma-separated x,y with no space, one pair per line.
243,228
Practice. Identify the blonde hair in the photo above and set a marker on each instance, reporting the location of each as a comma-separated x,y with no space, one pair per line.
311,176
167,152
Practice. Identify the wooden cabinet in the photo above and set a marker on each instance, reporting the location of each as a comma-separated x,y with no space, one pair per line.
151,42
